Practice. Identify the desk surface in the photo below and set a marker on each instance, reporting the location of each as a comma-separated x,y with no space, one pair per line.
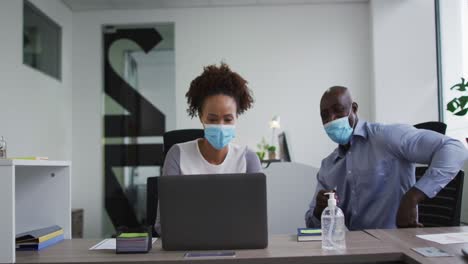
406,239
370,246
361,247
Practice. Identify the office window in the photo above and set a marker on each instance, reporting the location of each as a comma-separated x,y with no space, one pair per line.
42,41
453,71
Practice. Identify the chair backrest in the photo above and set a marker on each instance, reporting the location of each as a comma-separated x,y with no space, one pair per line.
170,138
445,208
152,202
434,126
180,136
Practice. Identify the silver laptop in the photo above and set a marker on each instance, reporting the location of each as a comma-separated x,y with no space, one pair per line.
213,212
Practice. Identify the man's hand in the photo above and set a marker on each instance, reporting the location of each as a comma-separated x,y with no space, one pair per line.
321,202
407,215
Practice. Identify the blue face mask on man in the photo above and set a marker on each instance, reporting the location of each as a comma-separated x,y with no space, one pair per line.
339,130
219,135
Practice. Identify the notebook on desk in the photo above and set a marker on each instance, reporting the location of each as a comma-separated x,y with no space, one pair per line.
211,212
39,235
39,238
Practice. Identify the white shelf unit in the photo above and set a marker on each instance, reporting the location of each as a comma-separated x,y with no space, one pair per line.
33,194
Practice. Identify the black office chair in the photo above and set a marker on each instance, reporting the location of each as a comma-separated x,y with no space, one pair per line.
445,208
170,138
434,126
152,202
180,136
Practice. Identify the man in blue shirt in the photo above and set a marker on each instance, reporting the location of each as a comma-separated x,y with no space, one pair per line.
372,171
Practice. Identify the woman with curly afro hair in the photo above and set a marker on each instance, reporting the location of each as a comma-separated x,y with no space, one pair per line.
217,97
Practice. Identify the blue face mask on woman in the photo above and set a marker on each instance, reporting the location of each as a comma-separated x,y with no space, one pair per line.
339,130
219,135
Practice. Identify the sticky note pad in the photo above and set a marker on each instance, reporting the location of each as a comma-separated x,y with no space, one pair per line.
133,235
311,231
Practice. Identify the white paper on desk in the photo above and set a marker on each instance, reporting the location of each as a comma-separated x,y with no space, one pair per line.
447,238
110,243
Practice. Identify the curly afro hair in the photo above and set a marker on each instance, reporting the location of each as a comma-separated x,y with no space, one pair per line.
214,81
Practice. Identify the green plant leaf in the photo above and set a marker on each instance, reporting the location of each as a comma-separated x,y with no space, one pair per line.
452,105
459,106
462,112
463,100
460,86
260,155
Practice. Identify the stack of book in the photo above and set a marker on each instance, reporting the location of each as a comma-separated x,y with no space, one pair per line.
133,243
309,234
40,238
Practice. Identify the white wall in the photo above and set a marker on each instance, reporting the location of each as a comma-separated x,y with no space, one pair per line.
404,61
35,112
289,55
288,62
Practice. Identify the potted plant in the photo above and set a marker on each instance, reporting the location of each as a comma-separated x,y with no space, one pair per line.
459,105
260,154
271,152
262,148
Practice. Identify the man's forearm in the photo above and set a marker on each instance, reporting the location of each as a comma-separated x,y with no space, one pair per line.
415,195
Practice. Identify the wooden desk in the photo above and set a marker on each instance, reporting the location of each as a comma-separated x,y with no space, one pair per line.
361,247
370,246
406,239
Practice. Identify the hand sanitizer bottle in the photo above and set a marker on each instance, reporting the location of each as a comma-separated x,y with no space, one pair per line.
3,148
333,226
